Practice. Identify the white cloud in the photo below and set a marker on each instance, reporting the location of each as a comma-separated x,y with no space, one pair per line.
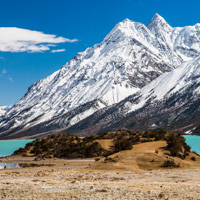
14,39
4,71
10,79
57,50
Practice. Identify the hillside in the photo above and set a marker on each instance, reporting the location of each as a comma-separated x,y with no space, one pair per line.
3,110
150,155
175,94
120,149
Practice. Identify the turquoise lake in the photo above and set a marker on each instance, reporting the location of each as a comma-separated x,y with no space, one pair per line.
7,147
194,142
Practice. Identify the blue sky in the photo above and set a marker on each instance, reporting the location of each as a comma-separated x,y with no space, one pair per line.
88,21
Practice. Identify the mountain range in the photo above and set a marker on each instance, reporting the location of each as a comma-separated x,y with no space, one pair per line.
139,77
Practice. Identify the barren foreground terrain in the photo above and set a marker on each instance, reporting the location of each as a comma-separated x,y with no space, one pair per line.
88,184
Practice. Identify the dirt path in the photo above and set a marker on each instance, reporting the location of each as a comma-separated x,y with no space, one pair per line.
16,170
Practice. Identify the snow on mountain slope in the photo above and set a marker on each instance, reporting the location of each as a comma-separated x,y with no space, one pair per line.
3,110
171,100
184,40
129,57
172,83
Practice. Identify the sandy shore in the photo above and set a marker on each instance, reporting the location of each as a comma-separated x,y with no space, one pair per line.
53,162
62,183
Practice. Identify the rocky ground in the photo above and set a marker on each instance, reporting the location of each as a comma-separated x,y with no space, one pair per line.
60,183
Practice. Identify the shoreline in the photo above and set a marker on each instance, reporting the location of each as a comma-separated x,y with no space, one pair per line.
15,139
189,135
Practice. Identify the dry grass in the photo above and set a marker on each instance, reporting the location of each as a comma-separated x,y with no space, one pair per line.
150,155
106,144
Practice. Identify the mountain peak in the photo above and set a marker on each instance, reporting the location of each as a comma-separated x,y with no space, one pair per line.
126,20
156,21
158,18
126,23
158,25
120,29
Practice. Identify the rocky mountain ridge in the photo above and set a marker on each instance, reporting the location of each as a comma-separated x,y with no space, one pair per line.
172,101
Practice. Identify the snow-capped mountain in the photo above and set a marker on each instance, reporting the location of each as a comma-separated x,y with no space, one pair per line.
171,101
129,57
185,79
185,41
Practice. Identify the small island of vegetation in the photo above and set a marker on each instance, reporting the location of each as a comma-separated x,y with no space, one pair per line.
103,145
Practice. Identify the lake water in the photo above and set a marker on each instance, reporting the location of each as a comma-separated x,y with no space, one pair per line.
194,142
9,165
7,147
